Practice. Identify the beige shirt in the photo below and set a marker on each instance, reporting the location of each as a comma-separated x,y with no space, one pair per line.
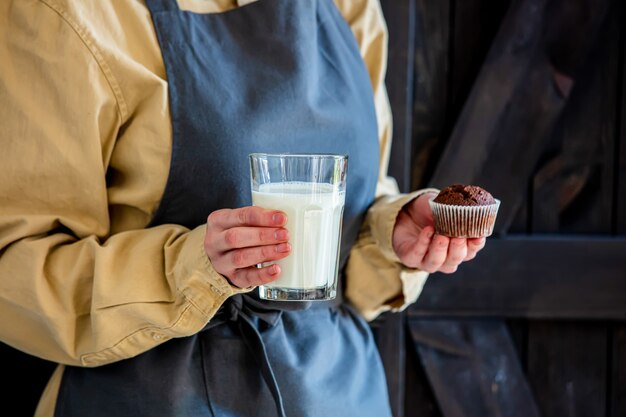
87,142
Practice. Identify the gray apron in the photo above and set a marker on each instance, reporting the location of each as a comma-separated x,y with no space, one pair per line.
272,76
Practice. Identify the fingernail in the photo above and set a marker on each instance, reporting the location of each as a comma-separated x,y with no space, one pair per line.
278,218
283,247
281,234
273,270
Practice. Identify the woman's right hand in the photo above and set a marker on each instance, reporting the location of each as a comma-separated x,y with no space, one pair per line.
237,240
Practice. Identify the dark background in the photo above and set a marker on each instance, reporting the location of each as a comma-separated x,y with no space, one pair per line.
527,99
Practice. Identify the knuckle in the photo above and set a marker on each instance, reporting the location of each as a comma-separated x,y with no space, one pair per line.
268,251
213,217
431,266
457,259
231,237
239,258
435,264
478,245
268,274
449,270
237,279
242,215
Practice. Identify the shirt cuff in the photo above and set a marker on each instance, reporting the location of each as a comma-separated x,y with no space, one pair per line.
201,290
204,287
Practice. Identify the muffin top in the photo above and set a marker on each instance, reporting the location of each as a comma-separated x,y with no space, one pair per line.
464,195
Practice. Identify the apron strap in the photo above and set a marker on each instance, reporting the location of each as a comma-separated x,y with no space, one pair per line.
236,309
244,310
156,6
252,338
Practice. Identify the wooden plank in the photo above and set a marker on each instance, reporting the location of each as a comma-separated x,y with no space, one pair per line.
419,400
567,368
537,277
400,18
573,192
473,368
474,26
618,371
518,329
431,67
518,97
620,150
390,339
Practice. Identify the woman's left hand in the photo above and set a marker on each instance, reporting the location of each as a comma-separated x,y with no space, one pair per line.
418,246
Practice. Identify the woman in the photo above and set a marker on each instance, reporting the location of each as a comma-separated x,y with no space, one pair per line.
127,239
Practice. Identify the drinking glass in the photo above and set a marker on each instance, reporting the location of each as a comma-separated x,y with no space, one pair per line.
311,190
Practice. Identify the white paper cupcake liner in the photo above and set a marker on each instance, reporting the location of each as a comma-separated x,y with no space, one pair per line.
464,221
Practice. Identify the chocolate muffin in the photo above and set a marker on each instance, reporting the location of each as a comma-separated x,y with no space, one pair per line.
465,195
464,211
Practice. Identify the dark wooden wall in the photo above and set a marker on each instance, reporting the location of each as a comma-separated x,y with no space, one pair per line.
528,99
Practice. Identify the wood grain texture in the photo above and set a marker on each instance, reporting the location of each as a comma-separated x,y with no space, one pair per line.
515,103
567,368
430,97
539,120
473,368
399,80
620,149
573,191
534,277
470,42
617,398
419,400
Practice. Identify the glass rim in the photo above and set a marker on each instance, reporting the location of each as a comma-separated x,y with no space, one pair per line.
298,155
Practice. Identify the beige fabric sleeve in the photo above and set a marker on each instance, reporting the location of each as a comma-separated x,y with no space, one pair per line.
376,280
70,291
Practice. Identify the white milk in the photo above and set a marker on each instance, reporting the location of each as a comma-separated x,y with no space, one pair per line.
314,214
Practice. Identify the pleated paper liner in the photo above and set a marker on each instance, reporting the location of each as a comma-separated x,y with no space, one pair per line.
464,221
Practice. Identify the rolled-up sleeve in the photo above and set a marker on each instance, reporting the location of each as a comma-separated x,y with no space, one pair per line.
70,291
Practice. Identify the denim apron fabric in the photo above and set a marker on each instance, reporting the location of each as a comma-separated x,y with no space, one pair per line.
271,76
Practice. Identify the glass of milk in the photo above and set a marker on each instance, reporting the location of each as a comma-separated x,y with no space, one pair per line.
311,190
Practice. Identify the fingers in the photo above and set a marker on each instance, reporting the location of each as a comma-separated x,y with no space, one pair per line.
253,276
473,247
243,258
446,257
437,254
232,263
242,237
457,251
237,240
246,216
